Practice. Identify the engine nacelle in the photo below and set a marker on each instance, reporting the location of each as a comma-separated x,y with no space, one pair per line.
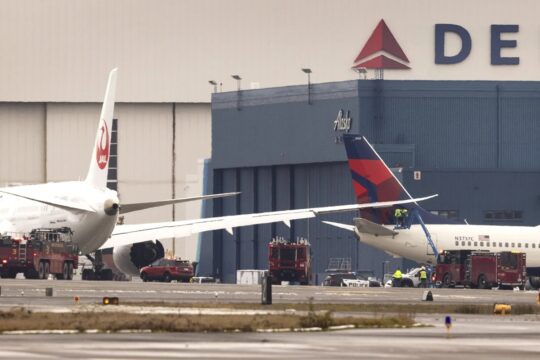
130,258
535,282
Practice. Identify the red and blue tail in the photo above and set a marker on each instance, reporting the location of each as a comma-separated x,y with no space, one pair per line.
373,181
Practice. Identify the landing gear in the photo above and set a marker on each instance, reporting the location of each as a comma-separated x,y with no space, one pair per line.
98,272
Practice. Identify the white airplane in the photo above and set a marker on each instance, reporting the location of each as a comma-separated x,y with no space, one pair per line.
91,210
374,181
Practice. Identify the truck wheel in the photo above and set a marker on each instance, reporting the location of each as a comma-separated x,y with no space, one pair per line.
167,277
46,270
41,270
65,270
70,271
482,282
446,280
88,274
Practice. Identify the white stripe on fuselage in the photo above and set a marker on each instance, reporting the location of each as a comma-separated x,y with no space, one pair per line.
90,230
412,243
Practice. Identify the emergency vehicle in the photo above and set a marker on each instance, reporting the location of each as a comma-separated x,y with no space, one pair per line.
481,269
38,254
289,261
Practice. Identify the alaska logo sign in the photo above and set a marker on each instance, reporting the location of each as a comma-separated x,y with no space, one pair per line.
381,51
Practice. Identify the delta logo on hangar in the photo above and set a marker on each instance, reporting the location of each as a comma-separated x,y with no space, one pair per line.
381,51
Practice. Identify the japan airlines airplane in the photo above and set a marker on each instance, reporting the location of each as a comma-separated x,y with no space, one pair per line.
91,210
374,181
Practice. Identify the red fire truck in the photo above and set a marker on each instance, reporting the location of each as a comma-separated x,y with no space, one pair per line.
38,254
481,269
289,261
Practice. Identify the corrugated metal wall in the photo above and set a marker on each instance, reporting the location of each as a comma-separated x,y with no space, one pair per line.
475,143
22,143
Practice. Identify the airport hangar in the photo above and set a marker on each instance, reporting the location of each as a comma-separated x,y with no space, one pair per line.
476,144
56,56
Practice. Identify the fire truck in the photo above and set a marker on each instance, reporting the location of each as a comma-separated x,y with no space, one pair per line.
481,269
38,254
289,261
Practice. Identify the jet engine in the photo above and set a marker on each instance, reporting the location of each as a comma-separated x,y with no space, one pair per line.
111,207
130,258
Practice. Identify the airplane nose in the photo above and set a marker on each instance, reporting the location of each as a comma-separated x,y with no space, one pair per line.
111,207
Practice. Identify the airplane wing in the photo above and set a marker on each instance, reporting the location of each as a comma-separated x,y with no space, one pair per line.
44,199
126,208
130,234
364,226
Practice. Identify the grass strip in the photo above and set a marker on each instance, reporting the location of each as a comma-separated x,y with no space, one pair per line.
412,308
24,320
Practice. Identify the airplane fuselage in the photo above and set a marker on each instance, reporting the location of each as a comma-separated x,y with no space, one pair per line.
90,229
412,243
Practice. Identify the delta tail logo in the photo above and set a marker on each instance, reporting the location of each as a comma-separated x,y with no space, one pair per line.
381,51
102,147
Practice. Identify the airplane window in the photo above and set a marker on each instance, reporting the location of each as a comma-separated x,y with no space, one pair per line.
494,244
533,246
469,243
457,243
505,244
487,244
519,244
526,245
481,243
500,244
463,243
513,245
476,243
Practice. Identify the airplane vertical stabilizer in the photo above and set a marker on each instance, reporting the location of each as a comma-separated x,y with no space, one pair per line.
99,162
373,181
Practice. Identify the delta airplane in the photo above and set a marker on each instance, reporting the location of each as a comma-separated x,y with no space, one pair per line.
91,210
373,181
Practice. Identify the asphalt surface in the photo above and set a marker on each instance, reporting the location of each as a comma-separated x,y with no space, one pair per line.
31,293
471,336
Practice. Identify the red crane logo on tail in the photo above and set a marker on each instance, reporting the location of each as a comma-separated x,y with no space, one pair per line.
102,147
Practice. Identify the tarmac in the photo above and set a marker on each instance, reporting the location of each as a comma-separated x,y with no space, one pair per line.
470,336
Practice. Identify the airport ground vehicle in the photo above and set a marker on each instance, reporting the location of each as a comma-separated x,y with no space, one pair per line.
167,270
38,254
351,279
289,261
481,269
409,279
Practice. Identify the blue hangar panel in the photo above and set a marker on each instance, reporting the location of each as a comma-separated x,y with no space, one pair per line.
473,142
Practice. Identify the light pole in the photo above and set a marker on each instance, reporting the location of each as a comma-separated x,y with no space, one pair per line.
214,84
362,72
308,72
238,79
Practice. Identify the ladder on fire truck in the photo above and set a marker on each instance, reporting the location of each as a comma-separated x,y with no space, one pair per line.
415,215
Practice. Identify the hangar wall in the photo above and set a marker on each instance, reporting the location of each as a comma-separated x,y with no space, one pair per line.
475,144
54,141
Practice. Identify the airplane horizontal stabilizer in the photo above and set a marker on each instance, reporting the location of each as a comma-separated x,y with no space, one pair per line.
340,225
126,208
59,203
130,234
367,227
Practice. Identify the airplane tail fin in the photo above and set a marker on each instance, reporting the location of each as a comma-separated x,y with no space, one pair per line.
373,181
99,162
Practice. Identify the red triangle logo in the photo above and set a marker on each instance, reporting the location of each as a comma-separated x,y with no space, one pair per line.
381,62
382,40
